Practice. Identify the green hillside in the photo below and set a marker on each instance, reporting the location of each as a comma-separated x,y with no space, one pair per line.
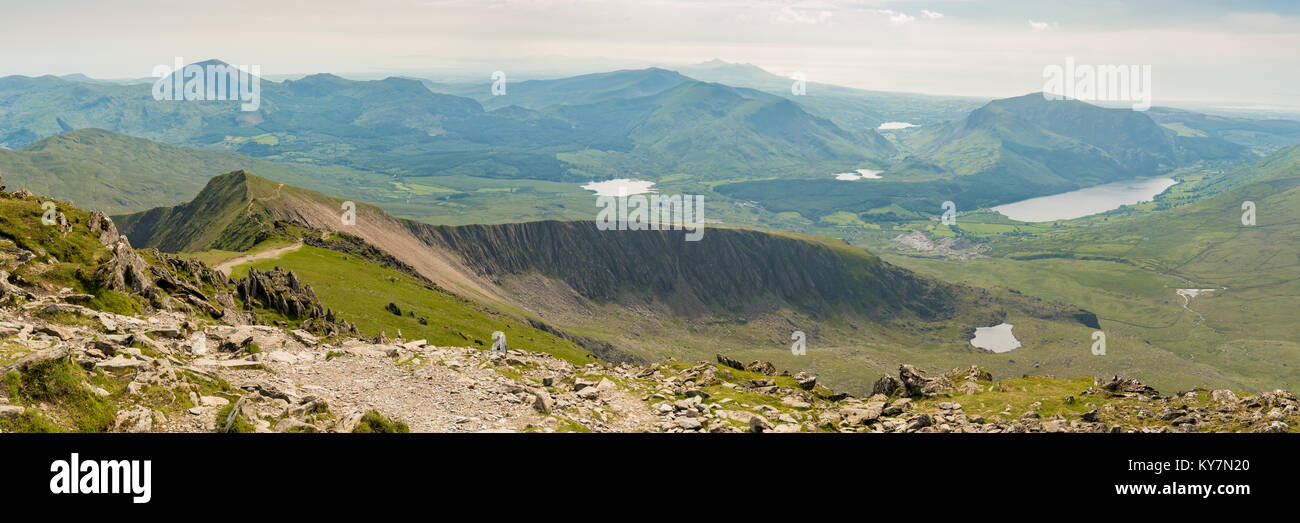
850,108
573,90
360,290
1262,136
223,216
1128,268
714,131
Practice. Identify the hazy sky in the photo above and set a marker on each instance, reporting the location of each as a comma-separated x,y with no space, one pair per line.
1240,51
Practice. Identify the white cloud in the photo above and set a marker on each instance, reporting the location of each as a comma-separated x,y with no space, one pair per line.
1041,26
791,15
896,17
931,14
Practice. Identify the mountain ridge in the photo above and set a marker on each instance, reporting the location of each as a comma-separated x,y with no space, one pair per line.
568,274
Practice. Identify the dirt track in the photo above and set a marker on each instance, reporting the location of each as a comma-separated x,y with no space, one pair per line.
226,266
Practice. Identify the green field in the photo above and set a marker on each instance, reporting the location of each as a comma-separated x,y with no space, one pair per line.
360,290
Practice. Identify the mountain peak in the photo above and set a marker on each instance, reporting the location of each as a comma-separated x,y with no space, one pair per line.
210,62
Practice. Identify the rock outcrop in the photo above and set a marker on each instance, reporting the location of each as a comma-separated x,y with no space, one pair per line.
283,292
125,271
917,383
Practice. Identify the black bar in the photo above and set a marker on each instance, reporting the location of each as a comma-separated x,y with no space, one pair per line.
342,470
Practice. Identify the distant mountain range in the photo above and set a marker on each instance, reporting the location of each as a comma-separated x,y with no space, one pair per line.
399,127
852,109
1029,140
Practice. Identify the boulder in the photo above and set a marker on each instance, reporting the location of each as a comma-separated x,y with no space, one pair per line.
917,383
348,423
8,329
974,373
806,380
897,407
306,338
23,363
102,227
919,422
1121,385
125,271
1225,397
267,389
759,424
765,368
687,423
862,414
886,386
281,356
135,420
213,401
121,363
728,362
1091,416
542,400
58,331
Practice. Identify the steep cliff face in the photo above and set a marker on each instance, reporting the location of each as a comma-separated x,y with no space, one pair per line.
726,269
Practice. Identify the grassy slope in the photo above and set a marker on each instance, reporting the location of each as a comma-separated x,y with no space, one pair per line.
78,253
360,290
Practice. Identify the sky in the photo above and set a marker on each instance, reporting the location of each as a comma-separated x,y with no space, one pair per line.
1239,52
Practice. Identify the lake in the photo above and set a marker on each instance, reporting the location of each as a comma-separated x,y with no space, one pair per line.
997,338
1085,202
860,174
620,187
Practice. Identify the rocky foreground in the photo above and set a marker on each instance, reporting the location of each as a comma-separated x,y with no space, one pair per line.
167,372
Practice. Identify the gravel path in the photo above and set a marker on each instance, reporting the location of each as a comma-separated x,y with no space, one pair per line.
226,266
